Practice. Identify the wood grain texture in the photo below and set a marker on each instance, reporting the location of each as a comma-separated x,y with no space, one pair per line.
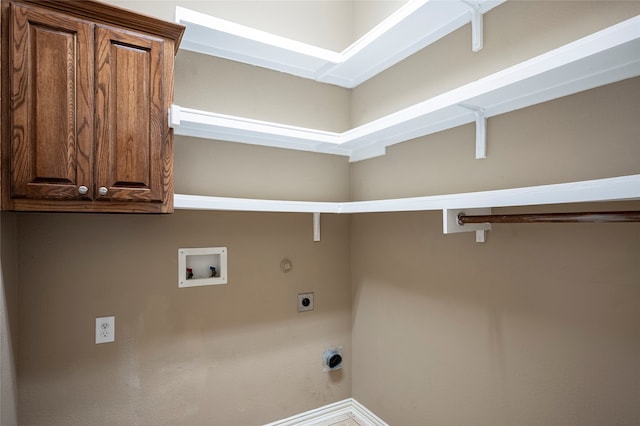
51,112
67,130
79,206
112,15
167,147
5,147
130,124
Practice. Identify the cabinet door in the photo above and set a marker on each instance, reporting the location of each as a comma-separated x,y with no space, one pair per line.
131,123
51,112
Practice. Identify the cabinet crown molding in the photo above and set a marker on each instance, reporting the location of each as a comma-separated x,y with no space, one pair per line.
107,14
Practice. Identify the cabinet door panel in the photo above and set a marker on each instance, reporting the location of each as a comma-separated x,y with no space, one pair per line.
130,116
51,112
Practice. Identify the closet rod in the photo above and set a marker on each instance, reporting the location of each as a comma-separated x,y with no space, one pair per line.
599,217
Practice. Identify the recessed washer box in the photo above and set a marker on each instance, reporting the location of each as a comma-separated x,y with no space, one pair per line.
202,266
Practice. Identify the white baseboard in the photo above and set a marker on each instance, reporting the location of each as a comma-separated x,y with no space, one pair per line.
333,413
364,416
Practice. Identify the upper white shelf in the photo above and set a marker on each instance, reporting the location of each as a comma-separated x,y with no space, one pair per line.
413,26
608,189
604,57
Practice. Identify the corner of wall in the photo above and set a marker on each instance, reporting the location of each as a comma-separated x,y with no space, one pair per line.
8,319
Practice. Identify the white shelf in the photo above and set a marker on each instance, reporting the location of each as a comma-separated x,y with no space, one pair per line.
608,189
203,202
605,57
210,125
415,25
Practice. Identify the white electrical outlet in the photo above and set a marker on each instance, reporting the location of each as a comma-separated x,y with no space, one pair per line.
105,329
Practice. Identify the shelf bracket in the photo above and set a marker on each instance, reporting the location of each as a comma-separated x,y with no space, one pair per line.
174,116
450,223
477,29
481,130
316,227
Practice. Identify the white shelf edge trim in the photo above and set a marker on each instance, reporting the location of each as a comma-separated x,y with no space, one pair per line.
413,26
203,202
607,189
605,57
209,125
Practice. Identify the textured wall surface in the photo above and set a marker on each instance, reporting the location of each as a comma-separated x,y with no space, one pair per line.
537,326
234,354
8,319
226,169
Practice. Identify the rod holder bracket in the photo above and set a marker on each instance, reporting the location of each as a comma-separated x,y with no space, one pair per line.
451,225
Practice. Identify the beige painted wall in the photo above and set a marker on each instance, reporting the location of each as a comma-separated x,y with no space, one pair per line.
238,354
325,24
225,169
368,14
332,25
538,326
8,320
227,87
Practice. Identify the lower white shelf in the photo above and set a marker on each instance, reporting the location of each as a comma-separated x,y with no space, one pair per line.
608,189
203,202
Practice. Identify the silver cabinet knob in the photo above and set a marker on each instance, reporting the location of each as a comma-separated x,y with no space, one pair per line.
83,189
103,190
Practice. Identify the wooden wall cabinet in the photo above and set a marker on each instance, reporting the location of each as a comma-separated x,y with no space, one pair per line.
89,89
